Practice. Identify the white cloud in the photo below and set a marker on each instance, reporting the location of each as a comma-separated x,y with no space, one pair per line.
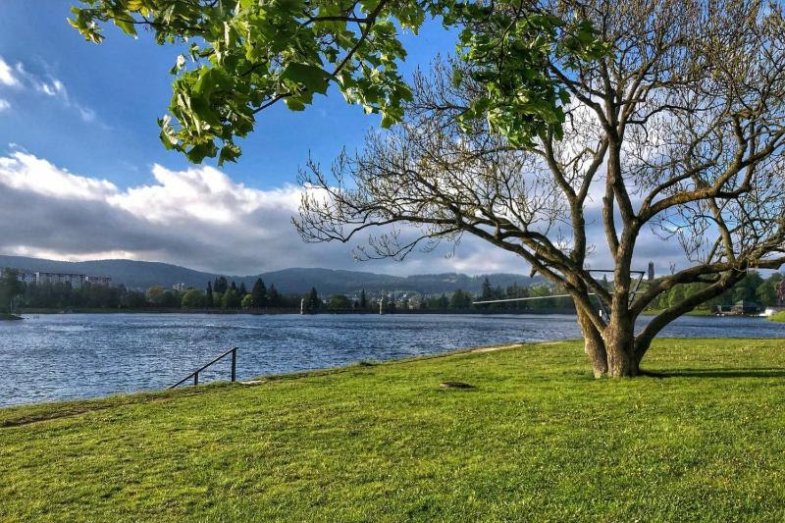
19,77
28,173
201,218
4,105
52,88
7,76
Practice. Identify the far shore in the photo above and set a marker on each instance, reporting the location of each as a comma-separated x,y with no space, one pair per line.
293,311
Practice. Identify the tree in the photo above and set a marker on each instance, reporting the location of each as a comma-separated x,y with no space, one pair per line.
339,302
363,300
231,299
221,285
274,297
487,290
10,288
246,56
247,302
460,300
209,300
193,299
155,295
312,301
673,109
258,294
680,126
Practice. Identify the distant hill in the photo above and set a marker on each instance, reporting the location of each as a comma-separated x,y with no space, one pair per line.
142,274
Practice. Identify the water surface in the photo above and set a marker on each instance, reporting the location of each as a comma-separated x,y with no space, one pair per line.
66,356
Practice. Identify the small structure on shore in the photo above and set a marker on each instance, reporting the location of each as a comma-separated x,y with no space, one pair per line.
742,307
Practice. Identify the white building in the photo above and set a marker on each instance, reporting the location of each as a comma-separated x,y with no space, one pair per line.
76,280
23,276
105,281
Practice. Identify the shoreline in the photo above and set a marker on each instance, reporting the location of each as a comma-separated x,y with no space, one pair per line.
152,394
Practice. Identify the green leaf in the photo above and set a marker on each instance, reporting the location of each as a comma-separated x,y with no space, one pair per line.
313,78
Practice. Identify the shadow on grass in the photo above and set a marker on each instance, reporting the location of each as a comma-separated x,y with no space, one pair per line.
753,372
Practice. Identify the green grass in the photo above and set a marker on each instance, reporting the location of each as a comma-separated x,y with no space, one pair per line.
778,316
536,439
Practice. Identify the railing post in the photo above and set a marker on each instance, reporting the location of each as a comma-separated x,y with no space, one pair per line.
196,378
234,364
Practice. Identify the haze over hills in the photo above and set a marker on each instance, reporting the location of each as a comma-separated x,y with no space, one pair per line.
142,274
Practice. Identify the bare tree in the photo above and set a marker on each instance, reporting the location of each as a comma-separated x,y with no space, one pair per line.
679,128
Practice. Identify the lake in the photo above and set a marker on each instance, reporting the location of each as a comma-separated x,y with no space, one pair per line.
67,356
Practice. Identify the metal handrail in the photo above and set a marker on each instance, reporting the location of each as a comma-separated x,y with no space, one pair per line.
195,374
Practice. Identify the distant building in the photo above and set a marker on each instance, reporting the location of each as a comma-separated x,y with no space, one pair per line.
22,276
104,281
651,271
75,280
59,278
179,287
745,307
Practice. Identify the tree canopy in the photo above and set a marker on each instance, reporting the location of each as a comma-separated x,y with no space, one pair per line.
678,129
240,57
666,115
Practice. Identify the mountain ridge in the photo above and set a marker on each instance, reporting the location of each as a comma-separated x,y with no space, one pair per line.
138,274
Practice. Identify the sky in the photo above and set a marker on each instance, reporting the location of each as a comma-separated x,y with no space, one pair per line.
83,174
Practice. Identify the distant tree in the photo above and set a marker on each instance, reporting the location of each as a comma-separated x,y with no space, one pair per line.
766,293
221,285
193,299
676,296
258,294
172,299
243,290
133,300
10,288
487,291
312,301
339,302
540,291
247,302
274,297
460,300
233,287
155,295
747,287
363,300
231,299
209,301
441,303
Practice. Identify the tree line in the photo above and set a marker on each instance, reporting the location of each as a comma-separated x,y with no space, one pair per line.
225,294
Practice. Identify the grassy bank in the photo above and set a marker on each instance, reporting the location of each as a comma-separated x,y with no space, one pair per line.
778,317
536,439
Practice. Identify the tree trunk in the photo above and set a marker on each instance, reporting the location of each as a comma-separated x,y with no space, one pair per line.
594,345
619,338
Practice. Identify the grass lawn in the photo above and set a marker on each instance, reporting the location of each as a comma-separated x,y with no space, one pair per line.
537,439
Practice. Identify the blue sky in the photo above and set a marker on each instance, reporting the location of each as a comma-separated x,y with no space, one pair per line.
125,84
84,176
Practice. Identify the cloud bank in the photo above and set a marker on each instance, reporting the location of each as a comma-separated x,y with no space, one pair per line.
199,218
